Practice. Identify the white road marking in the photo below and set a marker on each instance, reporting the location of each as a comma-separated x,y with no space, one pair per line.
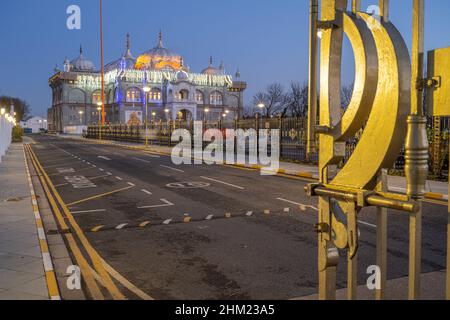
170,168
166,204
298,204
121,226
142,160
249,214
312,207
89,211
167,221
147,192
152,156
209,217
104,158
368,224
225,183
131,184
119,178
109,173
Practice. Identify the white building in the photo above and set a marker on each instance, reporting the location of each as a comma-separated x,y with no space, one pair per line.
157,85
35,124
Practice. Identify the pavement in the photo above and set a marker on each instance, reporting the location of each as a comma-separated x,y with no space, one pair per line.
22,273
160,231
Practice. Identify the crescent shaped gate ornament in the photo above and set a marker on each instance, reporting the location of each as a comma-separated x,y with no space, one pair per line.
380,102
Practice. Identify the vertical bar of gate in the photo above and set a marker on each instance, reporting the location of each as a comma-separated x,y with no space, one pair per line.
352,262
447,287
327,274
380,293
312,82
415,224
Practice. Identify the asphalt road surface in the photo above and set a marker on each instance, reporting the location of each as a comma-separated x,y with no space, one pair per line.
138,205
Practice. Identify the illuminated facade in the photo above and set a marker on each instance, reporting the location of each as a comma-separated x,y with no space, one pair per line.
174,92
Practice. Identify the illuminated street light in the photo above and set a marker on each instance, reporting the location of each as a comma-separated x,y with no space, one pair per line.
99,109
2,111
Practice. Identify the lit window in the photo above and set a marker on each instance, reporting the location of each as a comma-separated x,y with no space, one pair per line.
183,95
199,97
96,97
133,95
155,95
216,98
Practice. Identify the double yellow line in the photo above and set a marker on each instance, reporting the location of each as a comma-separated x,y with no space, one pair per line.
67,223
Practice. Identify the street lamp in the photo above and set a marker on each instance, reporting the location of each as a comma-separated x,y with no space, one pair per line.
146,90
206,114
167,111
261,106
2,111
99,111
81,116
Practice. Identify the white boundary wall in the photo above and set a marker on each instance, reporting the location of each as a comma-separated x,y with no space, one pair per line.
6,126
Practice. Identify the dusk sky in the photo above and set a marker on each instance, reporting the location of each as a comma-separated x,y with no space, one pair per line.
266,40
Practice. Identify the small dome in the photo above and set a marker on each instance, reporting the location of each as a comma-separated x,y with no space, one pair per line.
126,62
82,64
182,75
211,70
159,58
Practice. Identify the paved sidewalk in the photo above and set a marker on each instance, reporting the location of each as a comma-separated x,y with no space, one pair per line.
436,190
22,275
433,288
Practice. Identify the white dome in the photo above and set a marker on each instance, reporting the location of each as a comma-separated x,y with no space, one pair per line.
81,63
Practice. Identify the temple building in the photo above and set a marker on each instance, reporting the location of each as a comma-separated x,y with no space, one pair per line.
157,84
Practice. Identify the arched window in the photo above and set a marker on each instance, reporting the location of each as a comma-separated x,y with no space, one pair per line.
183,95
155,95
133,95
77,96
96,97
216,98
199,97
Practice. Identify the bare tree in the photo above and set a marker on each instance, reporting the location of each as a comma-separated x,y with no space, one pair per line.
346,96
274,100
297,100
21,107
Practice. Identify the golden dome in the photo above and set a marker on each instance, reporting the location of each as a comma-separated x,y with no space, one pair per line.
159,58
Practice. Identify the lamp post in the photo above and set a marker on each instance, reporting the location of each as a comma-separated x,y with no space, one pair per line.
206,114
167,111
146,90
261,106
99,111
81,116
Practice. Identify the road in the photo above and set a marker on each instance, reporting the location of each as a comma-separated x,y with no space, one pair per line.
210,232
